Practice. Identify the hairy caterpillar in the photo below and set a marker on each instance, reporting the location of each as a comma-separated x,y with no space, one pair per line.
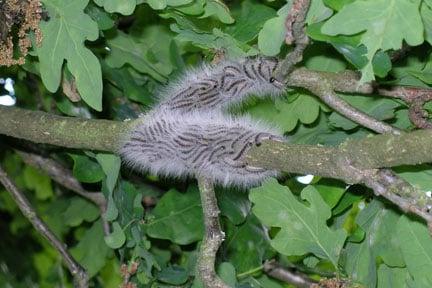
188,134
215,87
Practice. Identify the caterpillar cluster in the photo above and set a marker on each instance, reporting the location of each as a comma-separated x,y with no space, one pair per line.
189,133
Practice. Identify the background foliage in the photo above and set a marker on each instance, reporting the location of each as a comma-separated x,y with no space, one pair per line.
116,54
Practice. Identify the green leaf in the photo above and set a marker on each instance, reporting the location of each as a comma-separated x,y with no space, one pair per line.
331,191
112,212
392,277
125,7
125,49
219,9
123,79
249,256
303,228
157,4
416,245
174,275
337,4
419,176
387,23
162,4
103,19
426,14
324,61
350,48
217,40
91,251
272,35
80,210
380,241
111,166
64,37
227,273
117,237
317,12
250,18
39,182
287,113
86,170
234,204
177,217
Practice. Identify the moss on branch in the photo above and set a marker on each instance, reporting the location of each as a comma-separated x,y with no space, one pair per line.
372,152
386,150
40,127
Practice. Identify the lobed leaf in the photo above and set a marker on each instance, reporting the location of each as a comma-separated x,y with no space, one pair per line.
64,37
303,228
385,23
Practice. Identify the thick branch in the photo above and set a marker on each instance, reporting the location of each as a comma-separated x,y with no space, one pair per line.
372,152
213,237
67,132
378,151
79,274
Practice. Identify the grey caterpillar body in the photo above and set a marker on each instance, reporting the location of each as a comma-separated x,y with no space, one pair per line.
215,87
188,134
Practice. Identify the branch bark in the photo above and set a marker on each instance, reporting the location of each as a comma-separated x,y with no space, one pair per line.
213,237
40,127
372,152
324,88
79,274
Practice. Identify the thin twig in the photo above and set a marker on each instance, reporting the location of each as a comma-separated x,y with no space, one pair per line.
275,270
415,97
61,175
79,274
348,82
295,26
213,238
64,177
324,88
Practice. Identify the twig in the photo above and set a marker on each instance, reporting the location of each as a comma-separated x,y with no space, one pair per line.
324,89
387,184
61,175
409,199
415,97
275,270
348,82
79,274
64,177
295,26
213,238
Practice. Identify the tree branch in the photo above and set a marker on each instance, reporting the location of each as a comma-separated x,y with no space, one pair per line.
275,270
213,237
324,88
40,127
79,274
64,177
295,26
